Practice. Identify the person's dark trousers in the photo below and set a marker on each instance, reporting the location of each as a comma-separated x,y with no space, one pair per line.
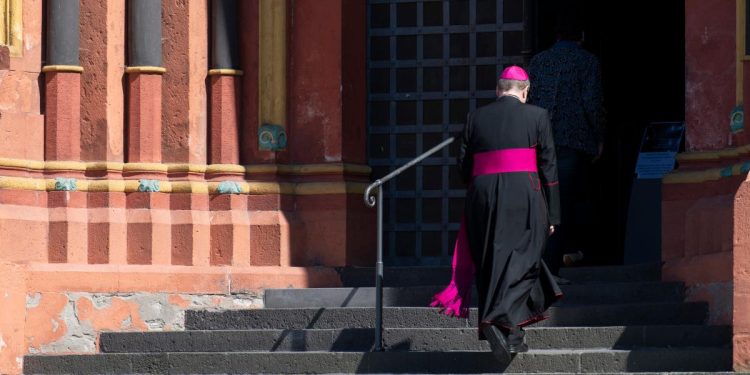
573,170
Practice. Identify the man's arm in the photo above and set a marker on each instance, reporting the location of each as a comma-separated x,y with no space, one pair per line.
548,168
592,98
465,159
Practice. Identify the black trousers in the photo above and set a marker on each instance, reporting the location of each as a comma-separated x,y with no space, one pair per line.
573,233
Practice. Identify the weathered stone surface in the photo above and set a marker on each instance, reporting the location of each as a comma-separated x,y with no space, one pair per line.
410,317
71,322
409,339
419,296
566,361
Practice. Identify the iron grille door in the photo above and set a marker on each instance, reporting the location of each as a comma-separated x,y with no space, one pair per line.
430,62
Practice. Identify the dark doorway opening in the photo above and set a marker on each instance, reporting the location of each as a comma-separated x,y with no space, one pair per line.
642,55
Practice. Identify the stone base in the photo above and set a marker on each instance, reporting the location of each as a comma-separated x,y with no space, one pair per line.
706,239
68,306
698,241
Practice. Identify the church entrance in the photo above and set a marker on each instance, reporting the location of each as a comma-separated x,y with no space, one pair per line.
430,62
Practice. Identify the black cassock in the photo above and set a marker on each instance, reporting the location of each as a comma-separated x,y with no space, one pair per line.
508,214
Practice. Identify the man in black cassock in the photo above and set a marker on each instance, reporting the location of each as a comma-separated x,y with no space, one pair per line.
512,206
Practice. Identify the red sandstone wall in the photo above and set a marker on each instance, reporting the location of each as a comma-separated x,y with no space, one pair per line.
102,97
698,216
741,307
327,81
59,251
354,103
249,100
21,121
82,262
697,241
323,131
705,204
185,55
710,68
315,80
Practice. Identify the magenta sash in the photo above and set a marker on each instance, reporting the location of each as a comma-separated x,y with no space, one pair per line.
455,299
505,161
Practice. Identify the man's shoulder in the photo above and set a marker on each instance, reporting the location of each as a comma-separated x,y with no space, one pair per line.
587,57
481,108
541,56
492,108
534,110
555,53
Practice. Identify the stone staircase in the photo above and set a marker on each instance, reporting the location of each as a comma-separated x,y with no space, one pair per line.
612,320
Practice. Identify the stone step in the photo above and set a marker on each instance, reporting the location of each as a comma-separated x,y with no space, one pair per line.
536,361
410,339
426,276
613,274
416,296
421,317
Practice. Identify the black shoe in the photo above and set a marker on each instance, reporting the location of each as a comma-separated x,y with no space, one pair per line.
498,343
561,281
516,341
571,259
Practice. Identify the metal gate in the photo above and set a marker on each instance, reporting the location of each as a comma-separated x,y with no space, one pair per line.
430,62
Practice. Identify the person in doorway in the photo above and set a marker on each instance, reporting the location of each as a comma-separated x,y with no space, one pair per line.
566,82
507,158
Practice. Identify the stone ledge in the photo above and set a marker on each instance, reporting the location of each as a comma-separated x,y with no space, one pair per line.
192,187
107,278
39,166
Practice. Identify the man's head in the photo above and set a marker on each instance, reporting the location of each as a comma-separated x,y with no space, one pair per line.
514,81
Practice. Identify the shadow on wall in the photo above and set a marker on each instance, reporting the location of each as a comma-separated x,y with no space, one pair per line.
698,241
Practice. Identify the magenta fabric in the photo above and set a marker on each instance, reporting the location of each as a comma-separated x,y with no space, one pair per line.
514,73
505,161
455,299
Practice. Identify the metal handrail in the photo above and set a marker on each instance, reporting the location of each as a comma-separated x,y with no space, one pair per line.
371,201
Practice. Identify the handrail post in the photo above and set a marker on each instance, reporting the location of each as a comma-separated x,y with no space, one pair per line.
379,277
370,201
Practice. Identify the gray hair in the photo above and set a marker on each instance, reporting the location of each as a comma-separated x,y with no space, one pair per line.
506,85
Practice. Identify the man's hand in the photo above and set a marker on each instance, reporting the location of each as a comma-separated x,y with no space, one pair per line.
551,230
598,153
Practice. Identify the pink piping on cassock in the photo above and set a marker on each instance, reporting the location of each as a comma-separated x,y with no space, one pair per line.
455,299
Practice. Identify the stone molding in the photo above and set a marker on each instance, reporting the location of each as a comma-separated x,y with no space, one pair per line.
225,72
62,69
146,69
44,176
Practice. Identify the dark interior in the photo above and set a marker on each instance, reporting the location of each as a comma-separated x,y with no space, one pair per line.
641,47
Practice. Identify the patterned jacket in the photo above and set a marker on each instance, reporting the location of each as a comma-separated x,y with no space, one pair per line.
565,80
